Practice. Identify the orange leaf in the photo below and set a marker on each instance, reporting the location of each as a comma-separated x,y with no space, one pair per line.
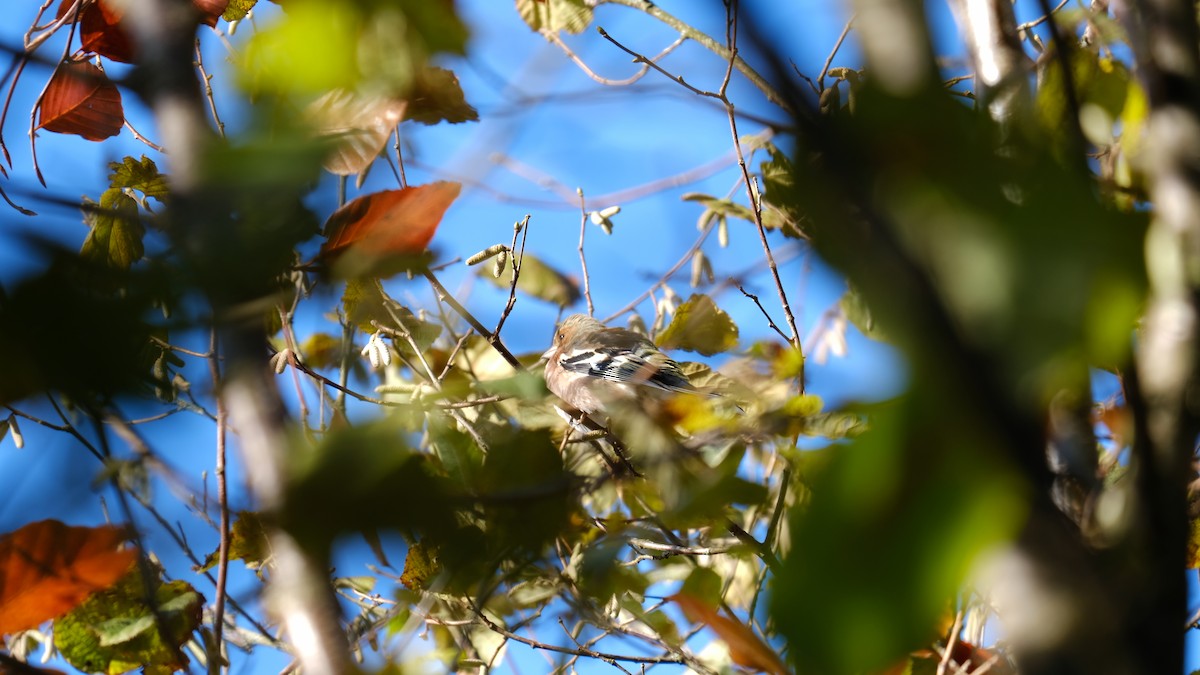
391,223
81,100
745,648
100,31
48,568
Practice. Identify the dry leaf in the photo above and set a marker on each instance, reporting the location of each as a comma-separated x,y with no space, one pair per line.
81,100
359,126
100,31
48,568
386,225
745,648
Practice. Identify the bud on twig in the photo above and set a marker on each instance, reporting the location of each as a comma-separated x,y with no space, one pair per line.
486,253
498,268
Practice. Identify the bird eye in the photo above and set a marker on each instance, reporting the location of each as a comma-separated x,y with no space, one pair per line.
562,336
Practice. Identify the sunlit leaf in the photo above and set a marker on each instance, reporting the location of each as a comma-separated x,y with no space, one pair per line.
553,16
311,49
237,10
322,350
700,326
778,192
247,542
100,30
48,568
139,174
357,125
420,566
116,630
395,224
116,233
81,100
745,648
539,280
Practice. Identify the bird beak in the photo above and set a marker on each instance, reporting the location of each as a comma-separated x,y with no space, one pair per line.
548,353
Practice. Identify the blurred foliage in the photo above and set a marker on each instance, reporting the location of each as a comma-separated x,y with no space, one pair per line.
999,261
538,280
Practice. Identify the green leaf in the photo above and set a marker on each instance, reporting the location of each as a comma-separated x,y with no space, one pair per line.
116,630
362,478
539,280
925,504
572,16
139,174
309,50
116,236
420,566
720,207
524,385
364,303
525,492
237,10
858,313
700,326
703,584
778,179
247,542
36,354
437,96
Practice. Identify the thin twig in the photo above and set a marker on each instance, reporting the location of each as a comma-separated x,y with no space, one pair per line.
587,282
836,46
492,338
216,659
1042,19
950,641
552,36
518,259
770,321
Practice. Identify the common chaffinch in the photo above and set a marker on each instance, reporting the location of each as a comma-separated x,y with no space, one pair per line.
590,365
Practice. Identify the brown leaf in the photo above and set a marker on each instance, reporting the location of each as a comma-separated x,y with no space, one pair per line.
81,100
438,97
48,568
745,648
100,27
100,31
388,224
359,126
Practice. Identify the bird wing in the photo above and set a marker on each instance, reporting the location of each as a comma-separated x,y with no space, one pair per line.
629,366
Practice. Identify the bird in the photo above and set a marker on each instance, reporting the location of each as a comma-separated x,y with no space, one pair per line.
590,366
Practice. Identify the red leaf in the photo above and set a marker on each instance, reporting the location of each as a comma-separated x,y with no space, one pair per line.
210,11
389,223
81,100
745,648
48,568
100,31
